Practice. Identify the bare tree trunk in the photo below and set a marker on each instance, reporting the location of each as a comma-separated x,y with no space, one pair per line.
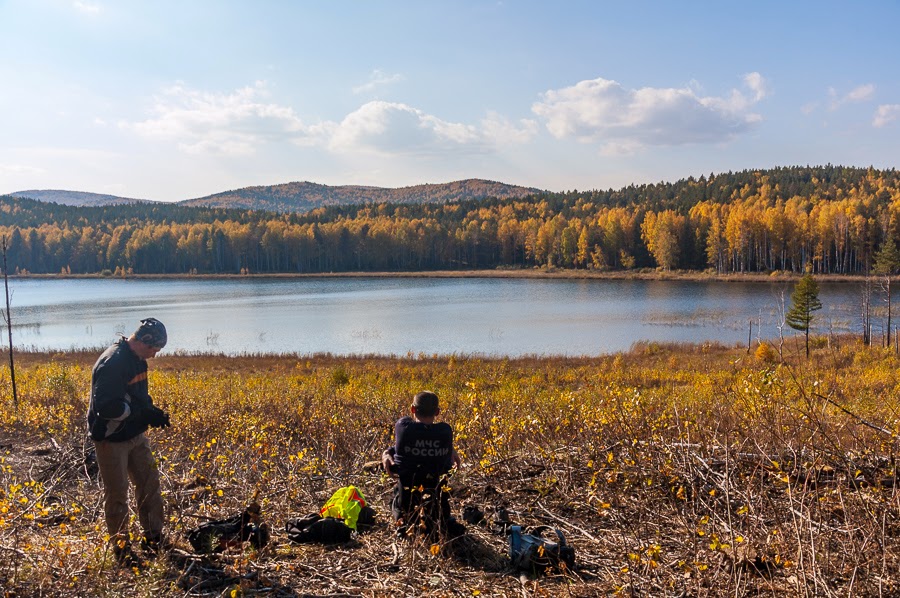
866,309
781,324
888,285
807,333
8,318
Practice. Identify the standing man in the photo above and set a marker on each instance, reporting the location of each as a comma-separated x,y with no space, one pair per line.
120,412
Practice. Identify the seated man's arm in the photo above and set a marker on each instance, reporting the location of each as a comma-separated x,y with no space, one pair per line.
455,460
387,460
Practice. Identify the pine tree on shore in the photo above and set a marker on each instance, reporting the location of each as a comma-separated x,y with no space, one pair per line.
804,301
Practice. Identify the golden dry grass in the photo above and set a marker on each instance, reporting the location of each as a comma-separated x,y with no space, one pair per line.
672,470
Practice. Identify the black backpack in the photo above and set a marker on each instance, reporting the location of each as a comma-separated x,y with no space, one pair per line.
315,528
216,536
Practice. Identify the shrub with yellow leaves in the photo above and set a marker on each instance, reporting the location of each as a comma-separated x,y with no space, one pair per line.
671,470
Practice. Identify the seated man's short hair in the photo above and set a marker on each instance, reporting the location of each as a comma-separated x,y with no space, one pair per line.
426,403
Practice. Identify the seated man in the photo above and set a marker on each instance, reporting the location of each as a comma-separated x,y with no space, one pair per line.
420,457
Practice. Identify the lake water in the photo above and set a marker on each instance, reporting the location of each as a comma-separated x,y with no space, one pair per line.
401,316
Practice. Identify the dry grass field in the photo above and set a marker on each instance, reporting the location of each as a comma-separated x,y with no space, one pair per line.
672,470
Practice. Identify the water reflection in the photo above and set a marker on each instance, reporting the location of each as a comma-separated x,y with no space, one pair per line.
399,316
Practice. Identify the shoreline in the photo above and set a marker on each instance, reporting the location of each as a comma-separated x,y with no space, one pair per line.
640,349
643,274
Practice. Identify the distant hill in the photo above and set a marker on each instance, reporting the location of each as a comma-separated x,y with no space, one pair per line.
76,198
302,197
305,196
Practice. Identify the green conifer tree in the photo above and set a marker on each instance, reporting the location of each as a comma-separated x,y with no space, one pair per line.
804,301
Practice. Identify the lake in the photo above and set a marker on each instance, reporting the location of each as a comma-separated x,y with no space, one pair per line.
402,316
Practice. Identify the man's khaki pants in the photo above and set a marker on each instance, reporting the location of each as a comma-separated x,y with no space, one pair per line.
119,462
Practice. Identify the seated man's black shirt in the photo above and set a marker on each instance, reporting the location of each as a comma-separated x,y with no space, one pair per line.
422,452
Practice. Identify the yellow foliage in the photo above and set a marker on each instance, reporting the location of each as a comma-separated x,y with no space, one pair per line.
606,435
766,353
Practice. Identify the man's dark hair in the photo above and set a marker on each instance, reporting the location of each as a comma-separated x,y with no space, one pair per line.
426,404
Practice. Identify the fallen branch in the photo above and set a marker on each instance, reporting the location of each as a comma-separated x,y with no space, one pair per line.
856,417
18,552
569,524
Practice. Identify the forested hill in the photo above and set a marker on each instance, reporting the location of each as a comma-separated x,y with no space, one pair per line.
305,196
24,213
75,198
831,219
302,197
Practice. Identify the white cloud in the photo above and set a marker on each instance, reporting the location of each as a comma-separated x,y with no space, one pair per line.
86,7
886,114
386,127
758,85
234,123
238,123
394,128
377,79
627,119
861,93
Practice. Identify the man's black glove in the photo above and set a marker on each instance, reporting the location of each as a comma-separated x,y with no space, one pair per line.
156,417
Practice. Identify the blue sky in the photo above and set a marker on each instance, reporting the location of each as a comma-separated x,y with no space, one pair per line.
171,100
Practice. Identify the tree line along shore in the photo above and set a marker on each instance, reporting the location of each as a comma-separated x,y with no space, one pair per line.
535,273
827,220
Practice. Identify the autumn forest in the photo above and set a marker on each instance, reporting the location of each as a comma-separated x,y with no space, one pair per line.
827,219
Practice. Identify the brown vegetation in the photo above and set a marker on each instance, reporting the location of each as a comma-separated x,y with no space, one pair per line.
672,470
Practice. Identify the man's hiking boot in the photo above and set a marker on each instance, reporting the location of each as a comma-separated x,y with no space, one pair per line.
472,514
126,558
452,528
402,530
154,545
455,529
